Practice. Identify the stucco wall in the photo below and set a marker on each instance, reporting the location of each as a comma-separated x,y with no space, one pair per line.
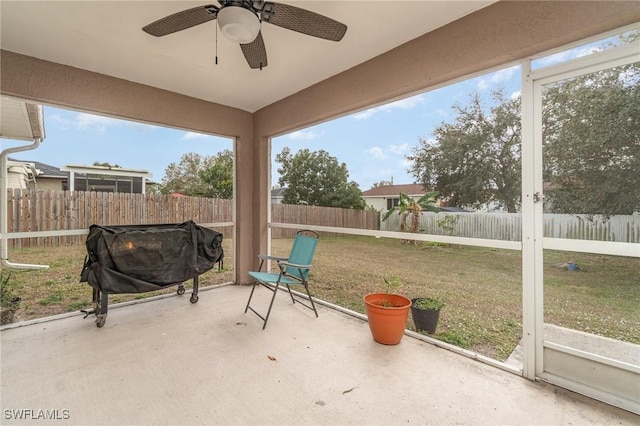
54,84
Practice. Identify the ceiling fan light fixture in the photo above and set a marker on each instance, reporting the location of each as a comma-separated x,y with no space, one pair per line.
238,24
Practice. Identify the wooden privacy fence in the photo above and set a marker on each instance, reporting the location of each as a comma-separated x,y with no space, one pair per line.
33,211
507,226
30,210
321,216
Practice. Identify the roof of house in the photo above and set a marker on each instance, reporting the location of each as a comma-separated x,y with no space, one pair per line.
395,190
277,192
46,169
21,120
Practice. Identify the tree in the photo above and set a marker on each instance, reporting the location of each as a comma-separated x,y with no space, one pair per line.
184,177
591,137
105,164
410,206
218,176
591,147
382,183
316,179
476,159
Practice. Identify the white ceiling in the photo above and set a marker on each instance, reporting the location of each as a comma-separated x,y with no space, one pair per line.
106,37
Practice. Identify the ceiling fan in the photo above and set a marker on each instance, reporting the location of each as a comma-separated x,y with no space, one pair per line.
240,21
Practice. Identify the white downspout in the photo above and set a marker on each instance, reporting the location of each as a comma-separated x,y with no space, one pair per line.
4,228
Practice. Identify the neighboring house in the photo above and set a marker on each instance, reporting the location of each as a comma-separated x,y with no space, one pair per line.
95,178
21,174
386,197
50,177
277,195
383,198
106,179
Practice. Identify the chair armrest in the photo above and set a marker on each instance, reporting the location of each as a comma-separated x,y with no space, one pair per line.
293,265
267,257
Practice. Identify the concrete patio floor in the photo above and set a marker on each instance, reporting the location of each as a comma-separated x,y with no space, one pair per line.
170,362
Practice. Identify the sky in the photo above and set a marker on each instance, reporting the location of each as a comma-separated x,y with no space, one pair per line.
373,143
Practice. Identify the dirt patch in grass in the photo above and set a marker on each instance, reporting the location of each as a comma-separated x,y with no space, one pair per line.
481,287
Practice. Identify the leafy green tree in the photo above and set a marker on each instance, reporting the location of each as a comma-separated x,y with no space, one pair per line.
476,159
591,140
591,151
382,183
105,164
218,176
409,206
317,179
184,177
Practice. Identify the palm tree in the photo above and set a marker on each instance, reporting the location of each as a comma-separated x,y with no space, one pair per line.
409,206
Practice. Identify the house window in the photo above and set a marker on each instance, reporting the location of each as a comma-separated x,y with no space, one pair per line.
392,202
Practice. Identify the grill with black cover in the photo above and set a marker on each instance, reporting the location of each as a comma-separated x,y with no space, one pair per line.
143,258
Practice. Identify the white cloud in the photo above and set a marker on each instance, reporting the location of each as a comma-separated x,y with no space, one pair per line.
516,94
555,58
399,149
408,103
588,50
193,135
365,114
377,153
98,123
62,122
497,77
566,55
303,135
85,121
483,84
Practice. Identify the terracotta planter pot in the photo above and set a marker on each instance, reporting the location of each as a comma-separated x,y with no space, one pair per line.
387,315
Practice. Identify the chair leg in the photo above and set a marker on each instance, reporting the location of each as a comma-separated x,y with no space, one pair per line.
253,288
306,287
273,298
250,296
291,294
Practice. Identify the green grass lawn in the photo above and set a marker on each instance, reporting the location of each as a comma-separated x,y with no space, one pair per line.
481,287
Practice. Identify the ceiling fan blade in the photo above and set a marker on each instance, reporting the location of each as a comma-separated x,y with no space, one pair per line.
255,53
182,20
303,21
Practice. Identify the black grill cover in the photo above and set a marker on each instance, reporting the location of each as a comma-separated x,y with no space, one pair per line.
141,258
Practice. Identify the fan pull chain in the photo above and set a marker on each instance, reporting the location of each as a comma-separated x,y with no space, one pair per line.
216,43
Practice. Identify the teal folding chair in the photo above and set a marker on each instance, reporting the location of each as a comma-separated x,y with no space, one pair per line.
294,270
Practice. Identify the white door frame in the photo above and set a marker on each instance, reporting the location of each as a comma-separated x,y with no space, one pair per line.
533,241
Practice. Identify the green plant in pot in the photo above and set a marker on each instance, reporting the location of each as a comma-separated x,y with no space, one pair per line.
9,303
425,312
387,313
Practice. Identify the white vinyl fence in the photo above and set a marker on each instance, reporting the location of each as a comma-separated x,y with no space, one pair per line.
507,226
